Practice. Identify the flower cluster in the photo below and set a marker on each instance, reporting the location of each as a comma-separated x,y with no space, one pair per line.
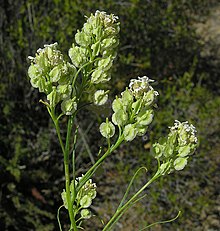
83,198
97,43
133,111
174,150
52,75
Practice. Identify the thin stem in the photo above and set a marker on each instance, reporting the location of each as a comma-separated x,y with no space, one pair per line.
162,222
57,127
92,170
58,217
128,203
129,186
65,151
80,69
68,196
67,174
73,163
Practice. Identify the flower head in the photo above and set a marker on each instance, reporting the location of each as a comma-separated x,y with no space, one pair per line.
97,43
141,86
51,74
175,150
133,110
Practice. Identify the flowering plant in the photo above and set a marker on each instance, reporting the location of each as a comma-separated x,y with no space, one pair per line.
66,83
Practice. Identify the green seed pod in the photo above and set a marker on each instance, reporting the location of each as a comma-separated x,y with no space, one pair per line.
105,63
77,55
136,106
92,193
127,98
141,129
53,97
117,104
100,76
55,73
100,97
158,150
82,39
149,97
33,72
129,132
120,118
69,106
180,163
184,151
144,118
96,48
63,196
165,168
64,91
85,214
86,201
107,129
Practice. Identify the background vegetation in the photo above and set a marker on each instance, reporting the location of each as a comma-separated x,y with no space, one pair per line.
174,42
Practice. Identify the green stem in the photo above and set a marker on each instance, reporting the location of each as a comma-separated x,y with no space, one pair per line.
127,205
65,151
80,69
92,170
162,222
73,163
129,187
67,174
58,217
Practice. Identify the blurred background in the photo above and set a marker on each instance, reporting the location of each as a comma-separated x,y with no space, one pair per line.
176,43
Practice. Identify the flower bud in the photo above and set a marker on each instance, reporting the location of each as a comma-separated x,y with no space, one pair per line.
140,88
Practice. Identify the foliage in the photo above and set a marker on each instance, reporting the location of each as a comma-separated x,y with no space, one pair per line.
157,38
